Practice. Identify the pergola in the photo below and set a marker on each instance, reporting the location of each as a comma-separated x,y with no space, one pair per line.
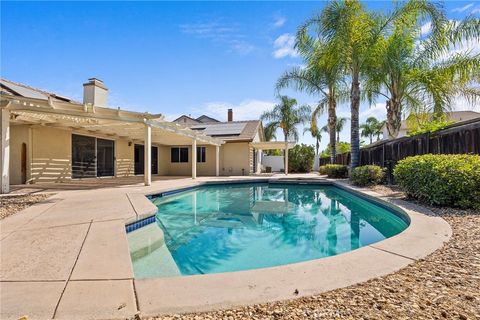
272,145
115,123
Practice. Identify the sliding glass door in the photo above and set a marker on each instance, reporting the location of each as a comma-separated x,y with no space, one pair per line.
83,157
92,157
105,158
139,157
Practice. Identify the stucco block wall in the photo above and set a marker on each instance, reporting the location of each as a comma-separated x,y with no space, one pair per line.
235,156
51,154
124,155
18,136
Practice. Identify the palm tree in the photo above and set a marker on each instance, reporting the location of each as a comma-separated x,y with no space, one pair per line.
270,132
370,128
351,32
339,126
416,71
321,77
286,115
317,135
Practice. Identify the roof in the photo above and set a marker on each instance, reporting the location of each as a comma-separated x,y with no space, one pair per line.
184,119
230,130
206,119
18,89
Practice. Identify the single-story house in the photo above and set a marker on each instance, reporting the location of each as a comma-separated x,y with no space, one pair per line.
47,137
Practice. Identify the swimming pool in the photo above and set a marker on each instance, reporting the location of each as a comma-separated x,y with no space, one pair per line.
234,227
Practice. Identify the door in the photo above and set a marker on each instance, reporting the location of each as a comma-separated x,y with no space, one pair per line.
139,155
83,156
105,158
154,160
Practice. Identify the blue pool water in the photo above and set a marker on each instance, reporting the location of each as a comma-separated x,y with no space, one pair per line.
222,228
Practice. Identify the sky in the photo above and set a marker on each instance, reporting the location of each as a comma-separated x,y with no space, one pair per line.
171,58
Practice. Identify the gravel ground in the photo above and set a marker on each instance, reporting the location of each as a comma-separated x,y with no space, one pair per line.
444,285
12,204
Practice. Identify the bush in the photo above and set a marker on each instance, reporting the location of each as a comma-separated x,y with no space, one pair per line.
445,180
300,158
336,170
322,170
367,175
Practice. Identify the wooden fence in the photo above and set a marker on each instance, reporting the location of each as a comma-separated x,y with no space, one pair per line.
459,138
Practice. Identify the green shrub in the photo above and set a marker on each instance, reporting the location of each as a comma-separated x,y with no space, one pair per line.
445,180
322,170
300,158
336,170
367,175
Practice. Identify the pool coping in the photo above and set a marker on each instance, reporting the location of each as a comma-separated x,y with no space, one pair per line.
425,234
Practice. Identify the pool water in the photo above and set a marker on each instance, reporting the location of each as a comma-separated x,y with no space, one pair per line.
223,228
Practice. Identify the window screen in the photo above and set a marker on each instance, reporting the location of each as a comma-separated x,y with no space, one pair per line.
201,152
179,155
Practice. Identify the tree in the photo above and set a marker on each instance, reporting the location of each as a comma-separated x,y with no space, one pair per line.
287,116
351,32
322,77
317,135
339,127
270,132
372,127
418,72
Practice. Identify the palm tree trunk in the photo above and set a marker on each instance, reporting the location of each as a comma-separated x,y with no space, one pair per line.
286,155
394,114
354,130
332,122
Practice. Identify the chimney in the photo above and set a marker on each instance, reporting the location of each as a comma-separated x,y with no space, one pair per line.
230,115
95,92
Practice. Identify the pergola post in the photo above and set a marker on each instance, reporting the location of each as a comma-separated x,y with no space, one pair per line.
147,171
194,159
259,161
217,161
285,152
5,152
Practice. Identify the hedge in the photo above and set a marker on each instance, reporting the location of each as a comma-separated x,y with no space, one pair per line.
444,180
334,170
367,175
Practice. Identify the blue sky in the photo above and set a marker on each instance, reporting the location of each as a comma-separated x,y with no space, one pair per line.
167,57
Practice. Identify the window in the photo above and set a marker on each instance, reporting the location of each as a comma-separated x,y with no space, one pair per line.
201,152
179,155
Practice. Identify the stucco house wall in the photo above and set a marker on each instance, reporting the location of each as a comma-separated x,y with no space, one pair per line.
49,155
236,159
18,136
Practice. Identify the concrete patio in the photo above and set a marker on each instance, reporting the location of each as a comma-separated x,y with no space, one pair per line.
68,257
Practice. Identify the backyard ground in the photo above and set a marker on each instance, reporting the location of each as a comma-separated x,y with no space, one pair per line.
444,285
12,204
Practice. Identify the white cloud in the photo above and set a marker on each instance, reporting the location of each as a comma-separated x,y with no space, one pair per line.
250,109
378,110
476,10
279,21
462,9
426,28
284,46
220,33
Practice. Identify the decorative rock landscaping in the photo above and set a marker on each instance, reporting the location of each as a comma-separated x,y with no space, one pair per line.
12,204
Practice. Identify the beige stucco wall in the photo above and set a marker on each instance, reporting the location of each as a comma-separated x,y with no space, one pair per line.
235,156
18,135
51,154
124,155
